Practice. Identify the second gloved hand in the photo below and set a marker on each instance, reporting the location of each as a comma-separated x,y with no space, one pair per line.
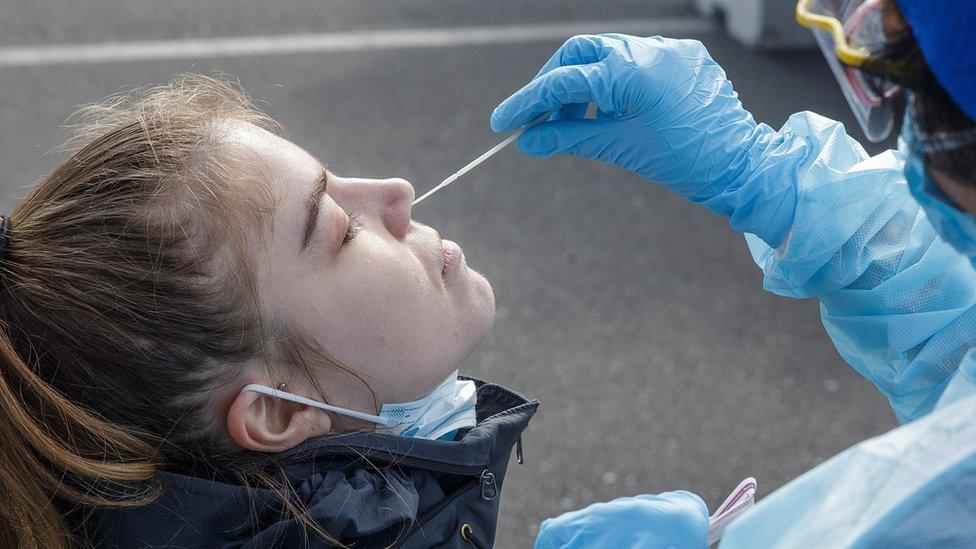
668,112
678,520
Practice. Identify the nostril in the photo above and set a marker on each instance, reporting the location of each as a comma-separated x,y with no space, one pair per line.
400,224
398,216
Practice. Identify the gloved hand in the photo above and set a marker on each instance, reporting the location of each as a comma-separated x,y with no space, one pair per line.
675,520
667,112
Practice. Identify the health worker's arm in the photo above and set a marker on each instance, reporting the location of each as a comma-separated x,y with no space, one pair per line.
896,300
910,487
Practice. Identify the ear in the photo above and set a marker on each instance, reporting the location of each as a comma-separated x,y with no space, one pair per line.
267,424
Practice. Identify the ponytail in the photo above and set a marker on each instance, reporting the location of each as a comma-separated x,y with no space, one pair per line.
128,269
52,451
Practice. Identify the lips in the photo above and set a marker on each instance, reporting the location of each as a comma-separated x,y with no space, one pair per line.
452,257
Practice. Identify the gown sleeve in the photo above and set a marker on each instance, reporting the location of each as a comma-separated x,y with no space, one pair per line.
914,486
897,301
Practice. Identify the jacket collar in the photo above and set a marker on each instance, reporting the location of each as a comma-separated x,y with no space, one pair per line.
500,411
363,488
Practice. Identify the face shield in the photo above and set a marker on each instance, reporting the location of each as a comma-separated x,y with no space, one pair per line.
849,32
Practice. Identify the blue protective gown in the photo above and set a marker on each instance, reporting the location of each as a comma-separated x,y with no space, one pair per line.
898,303
896,300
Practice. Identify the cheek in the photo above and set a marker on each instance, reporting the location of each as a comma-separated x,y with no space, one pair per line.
378,311
380,306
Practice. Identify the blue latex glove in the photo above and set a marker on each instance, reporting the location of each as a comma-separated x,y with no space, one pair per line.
672,519
667,112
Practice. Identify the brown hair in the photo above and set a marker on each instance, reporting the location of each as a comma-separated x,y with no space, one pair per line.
126,303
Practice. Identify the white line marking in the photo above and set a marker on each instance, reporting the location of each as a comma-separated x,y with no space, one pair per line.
77,54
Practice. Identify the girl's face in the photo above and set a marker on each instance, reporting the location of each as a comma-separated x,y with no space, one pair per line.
380,293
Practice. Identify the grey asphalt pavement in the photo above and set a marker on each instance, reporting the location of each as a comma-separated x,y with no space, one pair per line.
638,319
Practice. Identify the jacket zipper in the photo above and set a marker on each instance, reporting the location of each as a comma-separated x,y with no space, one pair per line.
438,466
440,506
426,517
489,491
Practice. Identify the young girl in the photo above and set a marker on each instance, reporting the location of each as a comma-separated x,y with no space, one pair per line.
210,340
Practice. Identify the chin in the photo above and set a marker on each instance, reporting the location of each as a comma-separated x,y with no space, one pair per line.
484,299
478,312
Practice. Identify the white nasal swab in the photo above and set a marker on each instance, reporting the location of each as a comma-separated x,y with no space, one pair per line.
488,154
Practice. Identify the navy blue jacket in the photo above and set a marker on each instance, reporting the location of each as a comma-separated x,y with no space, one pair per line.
365,490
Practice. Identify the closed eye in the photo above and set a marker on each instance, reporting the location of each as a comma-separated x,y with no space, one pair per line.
354,225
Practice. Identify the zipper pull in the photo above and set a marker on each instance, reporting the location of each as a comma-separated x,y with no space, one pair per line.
518,451
489,490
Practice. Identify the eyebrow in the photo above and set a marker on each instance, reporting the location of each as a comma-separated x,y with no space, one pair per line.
314,205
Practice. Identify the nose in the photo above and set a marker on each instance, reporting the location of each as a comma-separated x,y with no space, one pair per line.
396,199
384,201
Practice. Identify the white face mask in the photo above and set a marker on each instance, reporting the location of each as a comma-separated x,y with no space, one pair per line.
449,407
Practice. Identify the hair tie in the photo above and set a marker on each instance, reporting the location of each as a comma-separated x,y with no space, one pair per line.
4,234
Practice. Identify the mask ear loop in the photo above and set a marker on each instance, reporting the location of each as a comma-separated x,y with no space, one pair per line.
298,399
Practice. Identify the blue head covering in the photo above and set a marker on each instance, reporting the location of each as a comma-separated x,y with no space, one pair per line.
946,32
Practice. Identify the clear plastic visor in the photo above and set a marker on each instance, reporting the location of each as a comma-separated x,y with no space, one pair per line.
852,30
